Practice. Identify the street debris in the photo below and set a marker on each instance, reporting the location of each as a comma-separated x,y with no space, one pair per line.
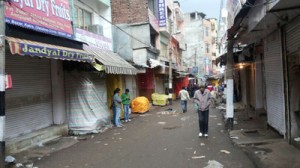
219,124
297,139
225,151
189,148
19,165
202,144
184,118
261,152
195,152
198,157
234,137
214,164
117,133
165,149
212,116
106,144
221,108
10,159
161,123
235,122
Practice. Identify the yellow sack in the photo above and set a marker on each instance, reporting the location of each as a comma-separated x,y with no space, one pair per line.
160,99
140,105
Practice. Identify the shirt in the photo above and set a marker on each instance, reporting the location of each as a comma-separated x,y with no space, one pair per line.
202,99
117,101
125,99
184,95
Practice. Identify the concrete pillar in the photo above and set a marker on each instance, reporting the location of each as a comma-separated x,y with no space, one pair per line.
229,83
58,92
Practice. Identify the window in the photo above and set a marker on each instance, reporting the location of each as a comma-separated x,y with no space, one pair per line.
207,48
83,18
206,31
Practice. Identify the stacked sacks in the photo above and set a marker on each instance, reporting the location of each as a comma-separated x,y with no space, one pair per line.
140,105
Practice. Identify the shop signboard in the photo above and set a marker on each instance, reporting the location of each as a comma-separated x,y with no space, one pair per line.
46,16
162,13
93,39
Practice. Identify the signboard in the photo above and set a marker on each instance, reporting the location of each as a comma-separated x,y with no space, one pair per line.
33,50
162,13
94,40
46,16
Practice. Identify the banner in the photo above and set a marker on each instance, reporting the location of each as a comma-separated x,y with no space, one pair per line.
162,13
46,16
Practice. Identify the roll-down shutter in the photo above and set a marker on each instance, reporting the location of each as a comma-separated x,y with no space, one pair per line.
29,102
274,82
293,35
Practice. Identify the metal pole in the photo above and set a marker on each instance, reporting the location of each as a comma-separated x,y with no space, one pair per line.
2,83
170,71
229,83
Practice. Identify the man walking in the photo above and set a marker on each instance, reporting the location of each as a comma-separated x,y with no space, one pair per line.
202,102
184,96
126,102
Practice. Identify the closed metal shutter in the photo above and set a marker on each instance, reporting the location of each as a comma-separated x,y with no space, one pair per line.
274,82
293,35
29,102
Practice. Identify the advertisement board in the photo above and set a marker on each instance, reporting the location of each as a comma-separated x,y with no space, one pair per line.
46,16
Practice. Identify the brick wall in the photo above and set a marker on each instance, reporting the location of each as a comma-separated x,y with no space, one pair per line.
129,11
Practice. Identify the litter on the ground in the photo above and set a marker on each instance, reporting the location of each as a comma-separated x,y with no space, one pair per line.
202,144
165,149
161,123
10,159
198,157
297,139
117,133
219,124
195,152
225,151
106,144
235,122
214,164
234,137
212,116
19,165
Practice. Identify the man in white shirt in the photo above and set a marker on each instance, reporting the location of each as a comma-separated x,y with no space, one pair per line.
184,96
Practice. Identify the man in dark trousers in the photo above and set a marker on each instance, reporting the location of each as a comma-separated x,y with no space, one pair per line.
202,103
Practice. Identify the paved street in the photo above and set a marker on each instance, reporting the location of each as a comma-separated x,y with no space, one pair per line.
154,140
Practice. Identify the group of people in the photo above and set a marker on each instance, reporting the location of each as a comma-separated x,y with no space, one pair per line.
202,100
117,103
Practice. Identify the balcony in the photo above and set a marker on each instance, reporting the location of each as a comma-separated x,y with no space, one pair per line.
168,29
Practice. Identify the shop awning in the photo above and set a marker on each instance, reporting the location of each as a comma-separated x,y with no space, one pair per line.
33,48
113,63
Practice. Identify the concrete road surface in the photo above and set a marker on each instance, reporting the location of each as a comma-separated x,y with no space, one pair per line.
156,139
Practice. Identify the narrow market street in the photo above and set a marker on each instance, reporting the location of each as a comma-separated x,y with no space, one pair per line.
156,139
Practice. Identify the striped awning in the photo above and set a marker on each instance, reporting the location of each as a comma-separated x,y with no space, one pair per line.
33,48
113,63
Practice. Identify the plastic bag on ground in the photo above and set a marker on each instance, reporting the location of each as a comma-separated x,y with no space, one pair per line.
140,105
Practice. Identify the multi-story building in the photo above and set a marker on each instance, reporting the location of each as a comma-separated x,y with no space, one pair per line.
136,38
194,56
210,39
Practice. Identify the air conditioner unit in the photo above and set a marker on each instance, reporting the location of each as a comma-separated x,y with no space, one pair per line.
97,29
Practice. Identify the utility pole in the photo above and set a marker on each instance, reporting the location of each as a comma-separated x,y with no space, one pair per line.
2,83
170,71
229,85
